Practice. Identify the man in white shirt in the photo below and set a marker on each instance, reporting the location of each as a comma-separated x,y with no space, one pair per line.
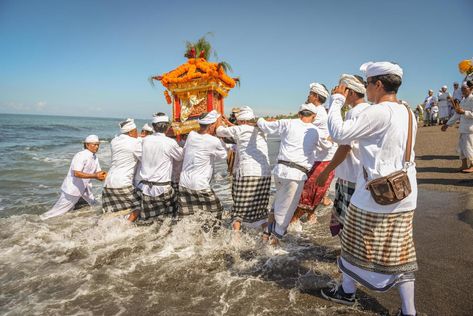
159,151
313,194
457,93
252,173
296,156
377,243
146,130
429,103
118,193
346,161
200,151
76,186
465,114
443,98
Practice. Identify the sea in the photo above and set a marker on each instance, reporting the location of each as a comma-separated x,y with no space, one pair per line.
85,263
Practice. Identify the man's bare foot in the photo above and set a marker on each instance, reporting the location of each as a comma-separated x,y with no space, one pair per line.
326,201
274,241
312,218
236,226
133,216
469,170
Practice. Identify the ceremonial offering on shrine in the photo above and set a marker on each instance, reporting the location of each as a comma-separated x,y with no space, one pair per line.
195,87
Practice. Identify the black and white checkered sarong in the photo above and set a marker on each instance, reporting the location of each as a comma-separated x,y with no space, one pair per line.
191,201
120,199
158,206
343,192
250,198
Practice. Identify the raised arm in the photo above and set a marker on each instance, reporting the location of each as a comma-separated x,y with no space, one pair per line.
269,127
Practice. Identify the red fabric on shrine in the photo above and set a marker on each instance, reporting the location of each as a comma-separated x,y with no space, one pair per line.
312,194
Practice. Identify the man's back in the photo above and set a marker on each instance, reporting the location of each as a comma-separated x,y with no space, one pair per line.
126,151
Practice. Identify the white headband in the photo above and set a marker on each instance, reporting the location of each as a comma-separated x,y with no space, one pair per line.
127,125
319,89
91,139
308,106
160,119
245,114
147,128
372,69
353,83
210,118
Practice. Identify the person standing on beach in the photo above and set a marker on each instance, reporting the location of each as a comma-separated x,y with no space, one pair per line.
346,161
296,156
200,151
377,243
443,98
429,102
465,114
457,93
252,173
118,193
313,194
76,186
159,152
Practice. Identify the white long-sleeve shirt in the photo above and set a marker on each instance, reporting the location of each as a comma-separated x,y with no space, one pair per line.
298,141
325,149
251,148
84,161
126,152
381,130
466,119
348,170
200,152
159,152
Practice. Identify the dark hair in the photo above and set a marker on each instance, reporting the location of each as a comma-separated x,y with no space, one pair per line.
469,83
390,82
160,127
159,114
305,113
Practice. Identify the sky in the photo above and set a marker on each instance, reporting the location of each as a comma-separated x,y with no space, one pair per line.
94,58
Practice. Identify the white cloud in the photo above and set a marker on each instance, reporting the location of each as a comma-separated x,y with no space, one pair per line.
40,105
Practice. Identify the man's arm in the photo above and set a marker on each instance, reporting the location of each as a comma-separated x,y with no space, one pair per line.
269,127
339,156
100,175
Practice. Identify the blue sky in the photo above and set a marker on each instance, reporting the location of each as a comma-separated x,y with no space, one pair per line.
93,58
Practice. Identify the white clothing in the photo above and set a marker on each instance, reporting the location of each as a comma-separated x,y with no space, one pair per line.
160,119
351,82
66,202
319,89
200,152
379,68
210,118
381,130
348,170
91,139
126,152
298,141
457,94
443,104
466,120
429,102
309,107
127,125
251,149
84,161
286,199
325,149
159,151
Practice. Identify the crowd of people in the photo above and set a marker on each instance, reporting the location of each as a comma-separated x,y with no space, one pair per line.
368,149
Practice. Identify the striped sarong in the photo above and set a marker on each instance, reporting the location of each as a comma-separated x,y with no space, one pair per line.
192,201
379,242
343,191
159,206
250,198
119,199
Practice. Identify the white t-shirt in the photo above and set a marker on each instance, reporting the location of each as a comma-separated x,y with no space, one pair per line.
84,161
126,152
200,152
348,170
429,102
457,94
251,149
381,130
466,119
325,148
159,151
298,141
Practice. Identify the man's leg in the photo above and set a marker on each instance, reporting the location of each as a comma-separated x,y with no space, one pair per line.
285,203
64,204
406,291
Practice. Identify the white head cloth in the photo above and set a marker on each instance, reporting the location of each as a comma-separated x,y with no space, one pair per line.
319,89
352,83
309,107
245,114
160,119
210,118
91,139
379,68
127,125
147,128
444,87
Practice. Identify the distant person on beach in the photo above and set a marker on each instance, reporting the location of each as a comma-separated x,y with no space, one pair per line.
146,130
429,102
377,243
443,98
312,193
252,173
346,160
296,156
232,118
119,193
465,115
76,187
457,93
200,152
159,152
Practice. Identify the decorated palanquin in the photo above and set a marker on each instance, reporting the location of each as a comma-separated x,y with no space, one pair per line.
193,88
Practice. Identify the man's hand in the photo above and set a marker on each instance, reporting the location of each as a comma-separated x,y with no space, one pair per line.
340,89
444,127
101,175
322,178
